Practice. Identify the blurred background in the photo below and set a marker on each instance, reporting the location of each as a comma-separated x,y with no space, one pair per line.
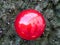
50,10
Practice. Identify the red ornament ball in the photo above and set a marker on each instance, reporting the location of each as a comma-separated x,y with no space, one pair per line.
29,24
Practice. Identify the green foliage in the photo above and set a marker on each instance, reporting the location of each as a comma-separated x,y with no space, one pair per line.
9,10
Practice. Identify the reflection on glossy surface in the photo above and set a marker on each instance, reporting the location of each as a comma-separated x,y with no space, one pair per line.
29,24
27,17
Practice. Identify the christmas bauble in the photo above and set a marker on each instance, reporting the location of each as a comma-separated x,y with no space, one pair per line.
29,24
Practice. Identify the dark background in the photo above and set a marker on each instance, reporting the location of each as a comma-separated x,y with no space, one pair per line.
50,10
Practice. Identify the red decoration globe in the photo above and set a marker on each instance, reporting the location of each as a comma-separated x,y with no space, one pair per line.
29,24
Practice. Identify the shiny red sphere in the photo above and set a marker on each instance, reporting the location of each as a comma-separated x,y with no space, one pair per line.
29,24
